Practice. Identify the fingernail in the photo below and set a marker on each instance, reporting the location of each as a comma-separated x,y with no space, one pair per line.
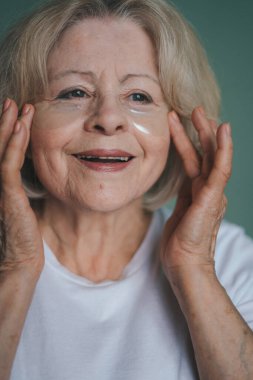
17,127
6,104
26,109
174,116
228,129
201,110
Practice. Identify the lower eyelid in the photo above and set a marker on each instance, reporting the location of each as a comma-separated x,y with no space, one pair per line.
144,101
69,97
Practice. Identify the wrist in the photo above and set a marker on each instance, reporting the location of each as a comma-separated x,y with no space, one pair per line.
189,273
194,285
29,269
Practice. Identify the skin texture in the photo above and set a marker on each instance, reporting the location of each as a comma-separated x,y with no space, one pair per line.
99,206
102,122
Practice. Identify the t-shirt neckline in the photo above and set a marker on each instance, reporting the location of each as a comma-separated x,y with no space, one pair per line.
140,257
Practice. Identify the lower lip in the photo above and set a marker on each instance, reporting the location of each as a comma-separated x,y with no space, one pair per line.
103,167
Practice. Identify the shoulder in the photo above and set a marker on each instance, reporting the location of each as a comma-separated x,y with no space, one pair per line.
234,267
233,247
234,258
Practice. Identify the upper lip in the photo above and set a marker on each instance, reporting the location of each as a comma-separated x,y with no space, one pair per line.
104,153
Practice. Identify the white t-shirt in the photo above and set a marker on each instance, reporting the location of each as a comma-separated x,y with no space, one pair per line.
129,329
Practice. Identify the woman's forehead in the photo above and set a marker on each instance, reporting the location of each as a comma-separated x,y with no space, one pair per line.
97,44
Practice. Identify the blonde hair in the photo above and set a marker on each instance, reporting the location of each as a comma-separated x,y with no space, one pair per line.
185,75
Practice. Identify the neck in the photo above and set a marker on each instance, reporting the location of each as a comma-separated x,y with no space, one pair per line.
96,245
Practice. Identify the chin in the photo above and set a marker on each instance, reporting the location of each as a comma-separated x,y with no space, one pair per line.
99,197
101,203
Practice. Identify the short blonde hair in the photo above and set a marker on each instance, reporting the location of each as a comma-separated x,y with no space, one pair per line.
185,75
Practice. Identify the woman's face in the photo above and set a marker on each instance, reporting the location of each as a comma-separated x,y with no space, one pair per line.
100,135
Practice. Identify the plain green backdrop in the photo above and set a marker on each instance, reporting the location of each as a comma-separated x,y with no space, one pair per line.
225,27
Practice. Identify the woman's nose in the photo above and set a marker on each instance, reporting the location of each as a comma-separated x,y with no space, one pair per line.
107,118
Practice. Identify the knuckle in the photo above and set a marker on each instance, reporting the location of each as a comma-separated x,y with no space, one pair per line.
227,173
215,212
225,201
224,173
225,170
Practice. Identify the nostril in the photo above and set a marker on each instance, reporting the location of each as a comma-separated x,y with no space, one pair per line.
99,128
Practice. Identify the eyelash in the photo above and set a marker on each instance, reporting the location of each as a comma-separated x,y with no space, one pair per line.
70,94
78,93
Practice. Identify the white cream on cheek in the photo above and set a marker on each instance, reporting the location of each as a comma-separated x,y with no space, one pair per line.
141,128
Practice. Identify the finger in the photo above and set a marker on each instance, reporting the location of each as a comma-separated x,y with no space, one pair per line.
213,124
206,137
222,167
15,152
184,146
27,118
7,121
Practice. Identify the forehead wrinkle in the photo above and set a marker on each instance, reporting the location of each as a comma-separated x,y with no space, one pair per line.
94,78
129,76
68,72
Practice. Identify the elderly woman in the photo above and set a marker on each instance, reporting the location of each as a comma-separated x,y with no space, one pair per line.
109,110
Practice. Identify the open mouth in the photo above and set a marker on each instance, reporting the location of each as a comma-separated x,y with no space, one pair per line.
105,160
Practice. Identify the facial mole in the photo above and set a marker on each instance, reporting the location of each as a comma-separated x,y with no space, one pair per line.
101,187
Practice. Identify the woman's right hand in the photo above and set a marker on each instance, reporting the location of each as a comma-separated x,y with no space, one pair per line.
21,246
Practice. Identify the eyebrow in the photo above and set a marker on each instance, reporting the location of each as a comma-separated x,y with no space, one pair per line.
94,77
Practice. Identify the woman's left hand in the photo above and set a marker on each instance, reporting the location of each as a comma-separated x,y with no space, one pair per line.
222,340
190,234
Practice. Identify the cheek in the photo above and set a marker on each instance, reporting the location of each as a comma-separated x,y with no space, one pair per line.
156,152
50,130
159,154
48,160
44,143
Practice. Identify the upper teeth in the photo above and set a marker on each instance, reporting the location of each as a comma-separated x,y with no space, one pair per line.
105,158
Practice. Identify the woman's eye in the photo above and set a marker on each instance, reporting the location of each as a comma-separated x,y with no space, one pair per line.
141,98
72,94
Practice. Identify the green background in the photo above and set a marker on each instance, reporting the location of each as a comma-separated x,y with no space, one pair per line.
225,28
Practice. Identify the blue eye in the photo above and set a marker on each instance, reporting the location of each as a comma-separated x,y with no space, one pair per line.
141,98
72,94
